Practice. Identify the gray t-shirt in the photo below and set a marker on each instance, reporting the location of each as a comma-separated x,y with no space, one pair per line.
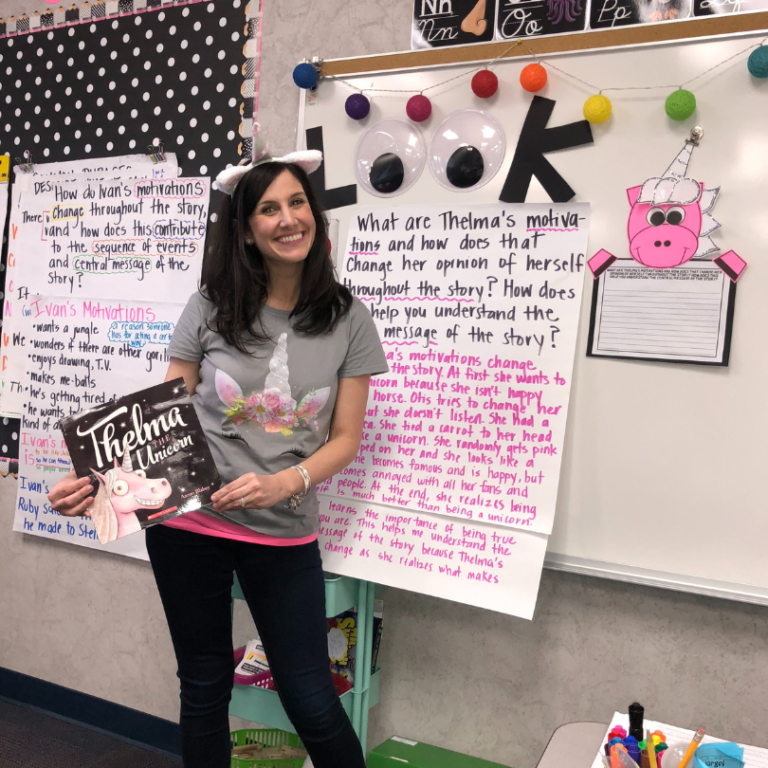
266,412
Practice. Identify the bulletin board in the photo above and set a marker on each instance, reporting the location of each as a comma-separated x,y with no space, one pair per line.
111,79
99,87
106,81
663,464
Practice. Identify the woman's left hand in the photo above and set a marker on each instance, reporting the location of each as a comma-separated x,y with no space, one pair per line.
251,491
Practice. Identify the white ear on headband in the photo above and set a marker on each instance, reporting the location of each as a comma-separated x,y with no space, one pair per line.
308,160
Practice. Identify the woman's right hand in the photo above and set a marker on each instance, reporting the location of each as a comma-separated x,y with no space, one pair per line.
69,497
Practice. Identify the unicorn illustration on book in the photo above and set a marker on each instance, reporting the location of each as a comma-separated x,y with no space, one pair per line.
123,491
670,222
273,409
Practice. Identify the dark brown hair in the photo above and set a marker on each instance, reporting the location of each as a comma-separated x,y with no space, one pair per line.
235,277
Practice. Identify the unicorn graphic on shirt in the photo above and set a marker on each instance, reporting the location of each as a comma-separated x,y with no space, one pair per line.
274,408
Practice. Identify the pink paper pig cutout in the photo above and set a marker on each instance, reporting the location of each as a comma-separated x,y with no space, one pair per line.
662,236
669,223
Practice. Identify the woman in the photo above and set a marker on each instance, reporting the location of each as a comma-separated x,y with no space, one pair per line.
278,356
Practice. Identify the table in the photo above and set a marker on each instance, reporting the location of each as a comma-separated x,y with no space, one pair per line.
573,745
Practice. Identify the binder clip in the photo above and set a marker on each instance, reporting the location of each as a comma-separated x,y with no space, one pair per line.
25,164
156,152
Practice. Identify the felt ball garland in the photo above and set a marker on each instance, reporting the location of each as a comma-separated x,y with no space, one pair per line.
680,104
305,75
357,106
418,108
757,63
597,109
533,77
485,84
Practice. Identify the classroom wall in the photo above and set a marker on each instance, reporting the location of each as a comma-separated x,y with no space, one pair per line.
467,679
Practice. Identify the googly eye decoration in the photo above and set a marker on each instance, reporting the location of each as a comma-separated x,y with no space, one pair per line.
390,157
467,150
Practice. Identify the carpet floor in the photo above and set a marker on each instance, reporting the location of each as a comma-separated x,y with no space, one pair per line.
32,739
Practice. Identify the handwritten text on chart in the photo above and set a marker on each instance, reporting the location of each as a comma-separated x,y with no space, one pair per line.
141,334
113,240
479,564
477,309
90,355
87,358
98,229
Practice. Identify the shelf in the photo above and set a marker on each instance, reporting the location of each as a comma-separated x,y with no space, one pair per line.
340,594
263,706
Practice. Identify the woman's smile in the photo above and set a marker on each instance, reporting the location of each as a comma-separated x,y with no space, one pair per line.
282,224
291,238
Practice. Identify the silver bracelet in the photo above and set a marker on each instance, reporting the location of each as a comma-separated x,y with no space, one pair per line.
296,499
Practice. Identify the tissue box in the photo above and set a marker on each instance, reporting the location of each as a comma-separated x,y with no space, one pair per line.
395,751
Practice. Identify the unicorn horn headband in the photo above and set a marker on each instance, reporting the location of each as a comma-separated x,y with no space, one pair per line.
308,160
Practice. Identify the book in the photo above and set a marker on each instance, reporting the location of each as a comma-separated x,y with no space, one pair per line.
147,458
342,644
253,664
378,617
342,640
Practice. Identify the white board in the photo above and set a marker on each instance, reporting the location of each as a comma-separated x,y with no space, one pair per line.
662,472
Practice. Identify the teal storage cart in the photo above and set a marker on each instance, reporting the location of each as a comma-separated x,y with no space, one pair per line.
263,706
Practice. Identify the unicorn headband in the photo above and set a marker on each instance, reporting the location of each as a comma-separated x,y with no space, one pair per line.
308,160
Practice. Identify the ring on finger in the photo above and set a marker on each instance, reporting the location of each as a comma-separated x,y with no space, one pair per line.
242,502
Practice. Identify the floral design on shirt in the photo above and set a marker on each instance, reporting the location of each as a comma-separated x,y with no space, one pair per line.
272,409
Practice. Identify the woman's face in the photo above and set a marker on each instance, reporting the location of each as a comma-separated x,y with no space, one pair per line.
282,225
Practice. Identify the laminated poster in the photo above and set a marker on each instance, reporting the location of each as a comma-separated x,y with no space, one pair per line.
438,23
534,18
605,14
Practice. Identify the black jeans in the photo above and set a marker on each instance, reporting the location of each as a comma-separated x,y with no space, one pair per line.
285,591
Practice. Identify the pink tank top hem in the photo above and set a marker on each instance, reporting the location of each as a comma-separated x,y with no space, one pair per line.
199,522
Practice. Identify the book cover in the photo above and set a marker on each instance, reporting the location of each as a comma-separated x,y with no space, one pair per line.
342,640
147,457
378,618
342,644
